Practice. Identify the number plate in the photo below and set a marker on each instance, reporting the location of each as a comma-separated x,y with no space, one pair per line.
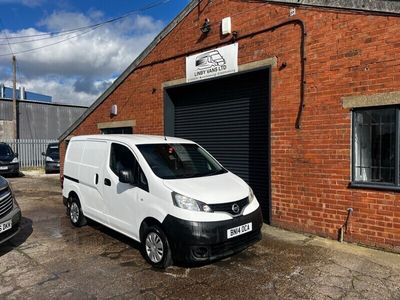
239,230
3,168
5,226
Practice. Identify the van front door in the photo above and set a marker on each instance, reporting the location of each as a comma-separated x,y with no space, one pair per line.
121,198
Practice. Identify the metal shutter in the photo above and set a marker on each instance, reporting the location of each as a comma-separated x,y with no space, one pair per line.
229,117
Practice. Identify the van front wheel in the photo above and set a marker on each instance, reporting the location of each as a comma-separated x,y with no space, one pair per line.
156,248
75,213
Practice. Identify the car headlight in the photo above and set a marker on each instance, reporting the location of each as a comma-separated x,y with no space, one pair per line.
48,158
15,160
251,195
189,203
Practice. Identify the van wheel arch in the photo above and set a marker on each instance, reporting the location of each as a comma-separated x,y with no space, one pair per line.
73,195
146,223
154,240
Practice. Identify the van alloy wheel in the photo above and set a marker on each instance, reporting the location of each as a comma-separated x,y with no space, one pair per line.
154,247
74,212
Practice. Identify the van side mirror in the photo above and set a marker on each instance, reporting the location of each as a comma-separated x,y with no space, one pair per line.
125,176
44,154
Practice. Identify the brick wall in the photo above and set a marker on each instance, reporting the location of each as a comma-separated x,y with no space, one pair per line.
348,53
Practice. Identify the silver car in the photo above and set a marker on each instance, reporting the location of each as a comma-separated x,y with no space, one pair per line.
10,213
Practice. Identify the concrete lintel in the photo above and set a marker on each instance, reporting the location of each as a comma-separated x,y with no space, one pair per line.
371,100
269,62
115,124
173,82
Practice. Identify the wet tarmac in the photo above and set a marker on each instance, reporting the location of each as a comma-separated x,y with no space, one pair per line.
51,259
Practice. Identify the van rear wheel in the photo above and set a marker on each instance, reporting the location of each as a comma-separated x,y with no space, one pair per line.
75,213
156,248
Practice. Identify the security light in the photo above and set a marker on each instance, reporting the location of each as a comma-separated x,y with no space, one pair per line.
205,28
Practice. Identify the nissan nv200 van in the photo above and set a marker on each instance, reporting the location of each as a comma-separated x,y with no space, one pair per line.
167,193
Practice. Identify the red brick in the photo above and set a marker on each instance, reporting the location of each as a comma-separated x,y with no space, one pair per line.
347,54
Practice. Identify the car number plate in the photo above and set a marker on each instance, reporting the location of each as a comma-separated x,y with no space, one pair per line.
232,232
5,226
3,168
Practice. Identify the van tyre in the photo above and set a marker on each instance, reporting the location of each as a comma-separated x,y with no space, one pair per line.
75,212
156,249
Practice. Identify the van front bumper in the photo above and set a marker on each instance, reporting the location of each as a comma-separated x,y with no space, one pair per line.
9,168
206,241
52,166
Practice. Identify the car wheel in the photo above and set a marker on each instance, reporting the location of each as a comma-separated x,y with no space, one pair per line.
156,248
75,213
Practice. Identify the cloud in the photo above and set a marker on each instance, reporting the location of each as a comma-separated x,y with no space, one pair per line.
81,68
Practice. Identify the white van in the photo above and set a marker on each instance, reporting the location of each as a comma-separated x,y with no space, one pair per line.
167,193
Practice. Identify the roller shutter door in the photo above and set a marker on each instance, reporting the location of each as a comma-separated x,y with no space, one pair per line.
230,118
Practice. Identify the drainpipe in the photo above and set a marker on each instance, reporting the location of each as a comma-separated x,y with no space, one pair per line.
343,229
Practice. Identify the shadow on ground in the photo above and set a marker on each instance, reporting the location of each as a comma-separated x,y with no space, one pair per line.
19,239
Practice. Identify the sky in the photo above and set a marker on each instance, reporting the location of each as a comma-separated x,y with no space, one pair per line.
61,53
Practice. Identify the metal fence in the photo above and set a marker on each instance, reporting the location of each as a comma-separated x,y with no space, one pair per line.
29,151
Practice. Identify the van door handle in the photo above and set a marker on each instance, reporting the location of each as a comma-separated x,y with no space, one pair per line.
107,181
97,179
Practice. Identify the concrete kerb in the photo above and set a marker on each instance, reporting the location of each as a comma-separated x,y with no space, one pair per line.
378,256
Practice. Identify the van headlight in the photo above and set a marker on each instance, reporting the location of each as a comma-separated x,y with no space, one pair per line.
189,203
48,158
15,160
251,195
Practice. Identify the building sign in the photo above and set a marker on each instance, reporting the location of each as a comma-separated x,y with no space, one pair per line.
213,63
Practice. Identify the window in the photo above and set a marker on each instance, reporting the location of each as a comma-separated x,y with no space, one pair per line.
121,158
172,161
6,150
117,130
375,147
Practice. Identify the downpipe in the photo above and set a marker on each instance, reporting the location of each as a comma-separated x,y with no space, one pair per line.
343,228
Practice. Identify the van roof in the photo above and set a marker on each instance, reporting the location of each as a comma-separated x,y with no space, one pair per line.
136,139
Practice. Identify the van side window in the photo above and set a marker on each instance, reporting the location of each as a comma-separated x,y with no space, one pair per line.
121,158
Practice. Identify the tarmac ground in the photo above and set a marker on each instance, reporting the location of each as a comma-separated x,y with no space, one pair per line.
51,259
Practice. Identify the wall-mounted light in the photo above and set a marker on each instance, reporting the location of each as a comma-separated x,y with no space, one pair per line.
206,27
114,110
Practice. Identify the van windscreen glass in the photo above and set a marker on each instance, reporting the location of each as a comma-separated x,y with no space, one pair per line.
53,152
172,161
5,150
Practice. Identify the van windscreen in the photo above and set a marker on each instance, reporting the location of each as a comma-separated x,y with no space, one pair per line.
5,150
172,161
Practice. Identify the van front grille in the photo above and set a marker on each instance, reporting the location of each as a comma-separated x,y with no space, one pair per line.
229,207
6,201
